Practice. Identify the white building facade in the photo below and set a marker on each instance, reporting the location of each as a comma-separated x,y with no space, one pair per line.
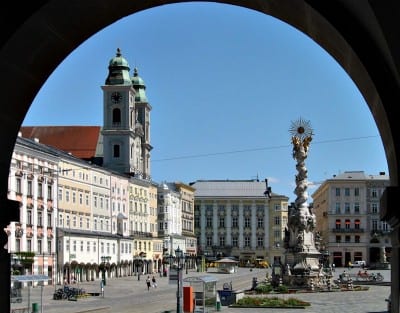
235,218
33,182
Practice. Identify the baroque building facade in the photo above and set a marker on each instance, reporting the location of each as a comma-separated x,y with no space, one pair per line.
102,206
236,218
347,208
33,183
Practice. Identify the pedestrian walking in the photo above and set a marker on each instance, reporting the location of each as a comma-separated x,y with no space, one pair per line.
153,280
148,282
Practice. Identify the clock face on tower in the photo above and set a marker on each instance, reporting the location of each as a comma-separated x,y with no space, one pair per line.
116,97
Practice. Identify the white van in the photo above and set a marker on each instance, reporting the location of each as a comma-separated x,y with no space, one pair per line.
361,264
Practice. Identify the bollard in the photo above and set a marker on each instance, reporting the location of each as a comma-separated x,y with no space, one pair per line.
254,284
312,284
218,304
102,288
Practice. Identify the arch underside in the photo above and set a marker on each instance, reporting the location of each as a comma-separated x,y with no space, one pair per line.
361,35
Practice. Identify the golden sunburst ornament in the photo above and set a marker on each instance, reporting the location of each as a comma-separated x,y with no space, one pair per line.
301,129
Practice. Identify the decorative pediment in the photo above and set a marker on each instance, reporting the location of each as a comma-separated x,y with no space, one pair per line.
19,232
19,173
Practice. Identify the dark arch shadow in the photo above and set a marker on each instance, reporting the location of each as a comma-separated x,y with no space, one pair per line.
361,35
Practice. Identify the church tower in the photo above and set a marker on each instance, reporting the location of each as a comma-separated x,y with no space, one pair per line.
126,121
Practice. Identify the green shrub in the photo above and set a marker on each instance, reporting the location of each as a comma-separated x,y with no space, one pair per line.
282,289
263,288
296,302
270,302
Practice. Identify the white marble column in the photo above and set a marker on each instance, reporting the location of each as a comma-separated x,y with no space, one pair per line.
253,223
215,224
228,224
203,219
241,226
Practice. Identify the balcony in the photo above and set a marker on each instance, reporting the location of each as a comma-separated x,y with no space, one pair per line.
141,234
348,230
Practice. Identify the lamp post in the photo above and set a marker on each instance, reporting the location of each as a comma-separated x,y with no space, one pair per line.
325,255
180,261
140,264
186,262
104,259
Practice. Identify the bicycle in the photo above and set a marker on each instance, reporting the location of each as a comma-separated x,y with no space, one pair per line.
377,277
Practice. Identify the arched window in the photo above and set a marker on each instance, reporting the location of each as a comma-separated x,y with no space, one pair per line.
116,116
357,224
337,224
116,151
347,224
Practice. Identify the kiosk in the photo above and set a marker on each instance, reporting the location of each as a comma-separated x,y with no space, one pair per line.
227,265
205,293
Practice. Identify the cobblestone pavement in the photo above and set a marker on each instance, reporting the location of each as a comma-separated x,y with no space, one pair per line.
130,295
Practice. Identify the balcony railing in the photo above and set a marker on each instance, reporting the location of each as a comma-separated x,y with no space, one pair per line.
348,230
141,234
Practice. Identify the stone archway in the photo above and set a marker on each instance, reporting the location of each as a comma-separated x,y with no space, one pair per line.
361,35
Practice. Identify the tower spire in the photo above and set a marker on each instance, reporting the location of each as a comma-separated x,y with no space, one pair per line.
118,70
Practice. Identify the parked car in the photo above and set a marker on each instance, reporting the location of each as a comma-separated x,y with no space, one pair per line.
361,264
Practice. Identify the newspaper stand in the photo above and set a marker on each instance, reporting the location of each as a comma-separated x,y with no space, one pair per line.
205,292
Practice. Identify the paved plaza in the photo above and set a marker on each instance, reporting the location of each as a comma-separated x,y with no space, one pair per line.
130,295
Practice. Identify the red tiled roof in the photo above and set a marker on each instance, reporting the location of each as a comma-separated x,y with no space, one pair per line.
80,141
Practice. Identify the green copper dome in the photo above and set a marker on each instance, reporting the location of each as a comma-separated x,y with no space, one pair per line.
118,70
139,86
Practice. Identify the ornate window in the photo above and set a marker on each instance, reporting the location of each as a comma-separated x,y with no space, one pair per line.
29,217
235,222
235,241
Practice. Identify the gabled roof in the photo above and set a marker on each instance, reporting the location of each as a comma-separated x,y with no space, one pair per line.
80,141
229,188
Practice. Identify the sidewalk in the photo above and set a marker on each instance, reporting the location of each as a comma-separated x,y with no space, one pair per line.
130,295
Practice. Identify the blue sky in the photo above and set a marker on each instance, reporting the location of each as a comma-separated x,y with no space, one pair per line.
224,83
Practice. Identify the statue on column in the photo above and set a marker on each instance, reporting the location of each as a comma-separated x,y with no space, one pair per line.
302,220
302,257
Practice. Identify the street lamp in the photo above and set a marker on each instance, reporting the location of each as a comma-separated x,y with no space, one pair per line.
325,255
140,266
186,262
180,261
104,259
